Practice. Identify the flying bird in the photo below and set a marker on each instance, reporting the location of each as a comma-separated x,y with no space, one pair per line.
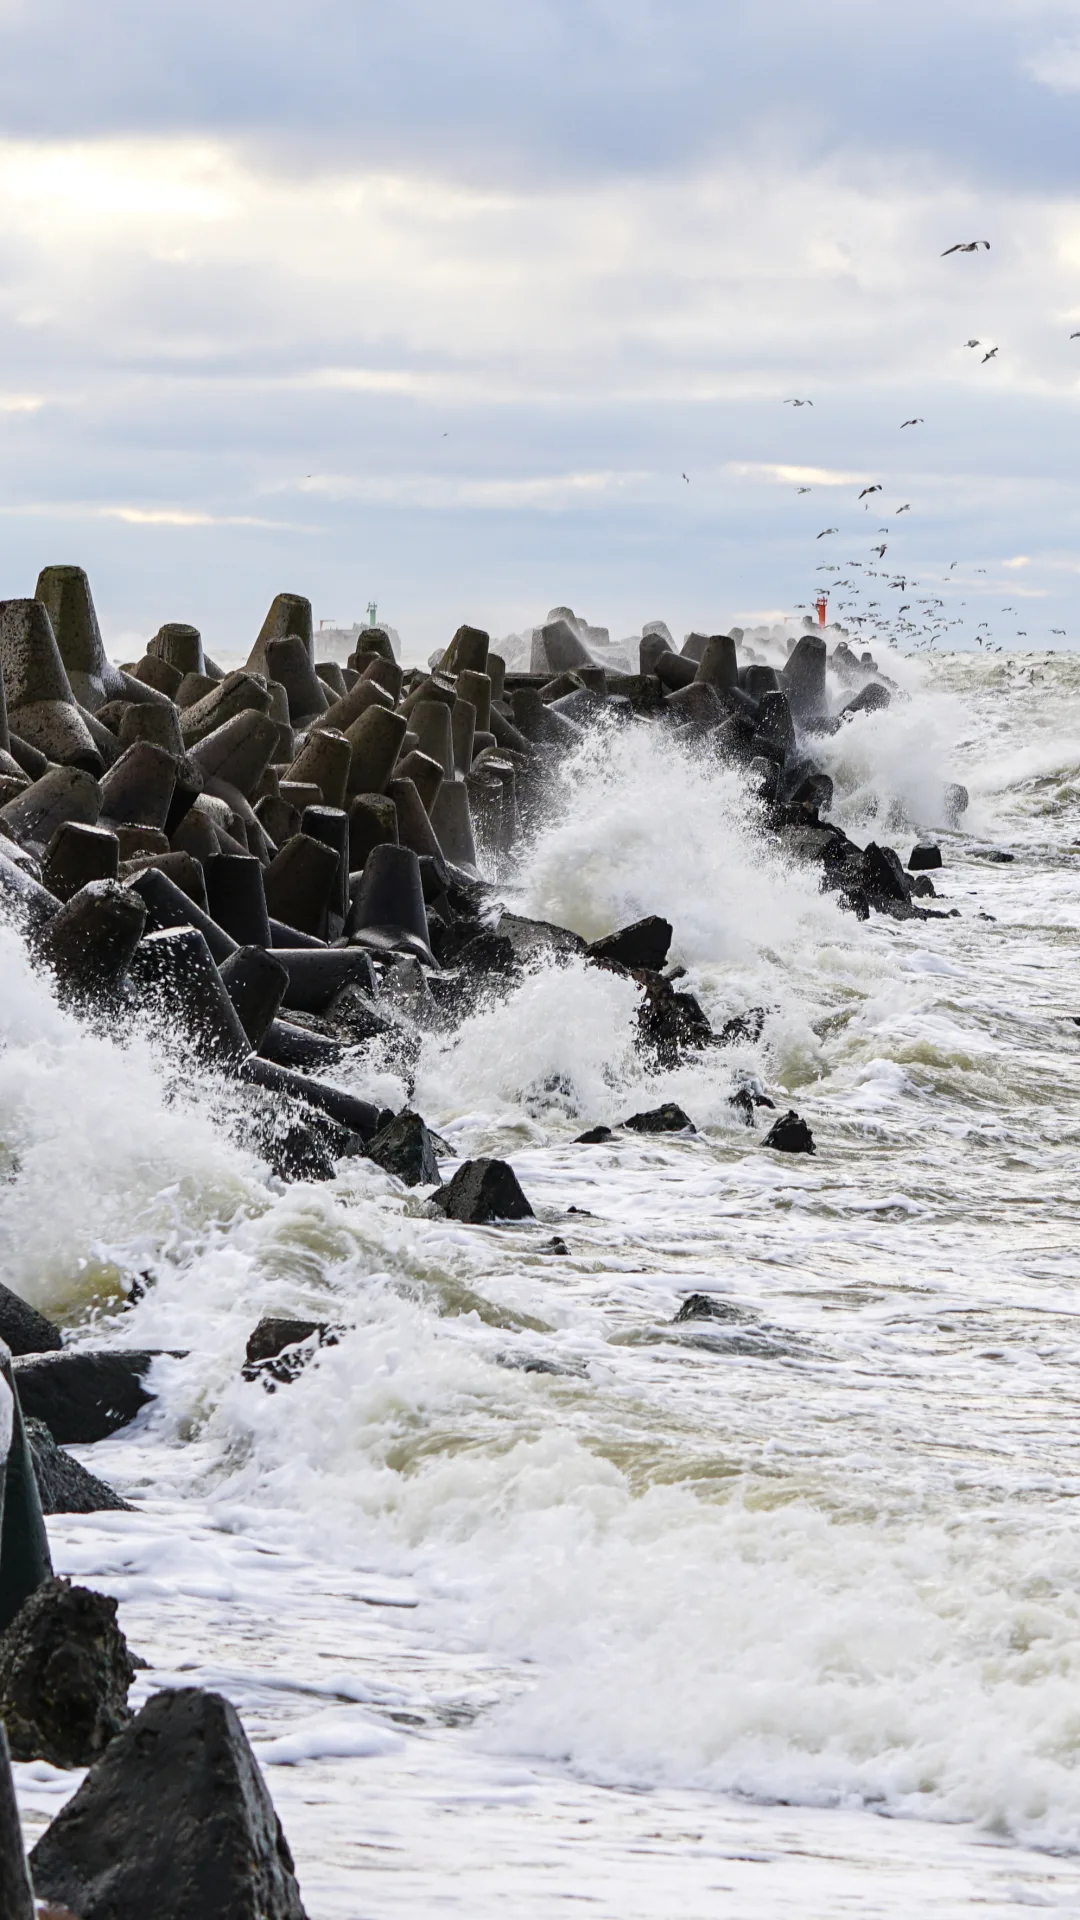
966,246
874,489
906,508
973,343
802,489
989,356
878,550
686,477
1072,336
826,530
1061,630
798,403
920,422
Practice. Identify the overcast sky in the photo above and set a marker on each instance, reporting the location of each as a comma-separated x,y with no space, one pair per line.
435,304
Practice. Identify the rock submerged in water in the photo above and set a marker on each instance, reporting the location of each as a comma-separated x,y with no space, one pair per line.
405,1147
668,1118
65,1671
790,1134
483,1192
64,1486
174,1820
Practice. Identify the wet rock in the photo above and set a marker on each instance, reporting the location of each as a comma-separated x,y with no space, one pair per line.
280,1348
65,1671
790,1134
482,1191
16,1893
924,857
705,1306
644,944
594,1136
670,1023
174,1822
63,1485
742,1027
667,1118
923,888
23,1329
406,1148
742,1100
884,879
955,802
84,1396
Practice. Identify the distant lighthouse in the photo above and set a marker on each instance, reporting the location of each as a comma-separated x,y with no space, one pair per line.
821,603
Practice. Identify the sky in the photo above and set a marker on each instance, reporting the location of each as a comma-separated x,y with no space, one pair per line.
468,310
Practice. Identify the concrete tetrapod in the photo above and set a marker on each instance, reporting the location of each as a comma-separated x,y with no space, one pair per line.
388,912
288,613
77,854
175,973
91,942
451,820
65,594
41,705
256,981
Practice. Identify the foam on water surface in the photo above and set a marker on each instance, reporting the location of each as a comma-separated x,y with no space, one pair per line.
819,1551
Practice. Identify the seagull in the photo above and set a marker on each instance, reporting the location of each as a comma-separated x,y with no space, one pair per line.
906,508
686,477
1061,630
973,343
874,489
878,550
989,356
920,422
802,489
1072,336
798,403
966,246
952,564
826,530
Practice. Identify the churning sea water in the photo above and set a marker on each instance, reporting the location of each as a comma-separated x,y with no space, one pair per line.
530,1599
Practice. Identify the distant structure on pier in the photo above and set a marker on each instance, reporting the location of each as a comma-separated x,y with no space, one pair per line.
336,643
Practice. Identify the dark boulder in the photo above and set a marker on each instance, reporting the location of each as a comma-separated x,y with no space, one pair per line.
923,888
670,1023
644,944
924,857
174,1822
887,885
63,1485
83,1396
24,1329
482,1191
790,1134
65,1671
664,1119
705,1306
594,1136
406,1148
742,1027
279,1348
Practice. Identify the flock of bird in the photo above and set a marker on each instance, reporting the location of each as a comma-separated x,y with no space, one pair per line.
927,622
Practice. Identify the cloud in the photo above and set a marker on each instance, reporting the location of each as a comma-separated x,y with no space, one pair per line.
796,476
481,284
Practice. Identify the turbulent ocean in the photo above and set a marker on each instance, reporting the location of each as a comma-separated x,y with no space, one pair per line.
532,1599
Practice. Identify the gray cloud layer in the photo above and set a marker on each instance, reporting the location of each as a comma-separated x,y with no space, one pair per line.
437,304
